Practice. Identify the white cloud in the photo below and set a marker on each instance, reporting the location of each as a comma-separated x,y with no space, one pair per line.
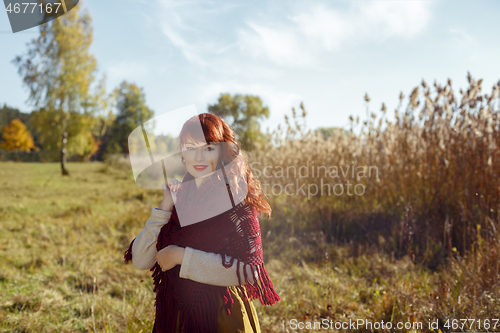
279,45
190,52
313,29
191,26
324,25
394,18
461,37
290,36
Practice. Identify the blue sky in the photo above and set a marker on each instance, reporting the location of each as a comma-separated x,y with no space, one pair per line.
327,54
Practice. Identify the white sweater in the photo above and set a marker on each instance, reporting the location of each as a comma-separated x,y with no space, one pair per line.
197,265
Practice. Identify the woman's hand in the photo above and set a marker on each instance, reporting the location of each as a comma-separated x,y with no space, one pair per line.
170,190
169,257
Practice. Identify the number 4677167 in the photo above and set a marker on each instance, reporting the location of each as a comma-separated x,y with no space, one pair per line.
30,7
471,324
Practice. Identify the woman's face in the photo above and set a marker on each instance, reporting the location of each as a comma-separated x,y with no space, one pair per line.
201,159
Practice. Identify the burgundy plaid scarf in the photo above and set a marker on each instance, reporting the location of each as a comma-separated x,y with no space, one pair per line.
235,233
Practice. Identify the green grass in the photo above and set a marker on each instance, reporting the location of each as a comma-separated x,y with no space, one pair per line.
61,263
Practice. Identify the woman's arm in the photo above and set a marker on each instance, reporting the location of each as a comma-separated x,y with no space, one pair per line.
197,265
144,247
206,267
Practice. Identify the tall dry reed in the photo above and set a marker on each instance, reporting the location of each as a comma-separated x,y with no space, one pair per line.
431,176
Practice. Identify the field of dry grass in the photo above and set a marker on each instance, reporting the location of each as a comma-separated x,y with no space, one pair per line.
61,267
420,244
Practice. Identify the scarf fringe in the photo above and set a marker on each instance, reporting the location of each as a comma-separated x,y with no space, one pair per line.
173,319
264,292
128,254
228,301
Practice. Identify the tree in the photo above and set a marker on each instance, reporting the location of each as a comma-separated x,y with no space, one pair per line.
7,114
16,136
132,111
59,71
78,125
243,113
166,144
100,132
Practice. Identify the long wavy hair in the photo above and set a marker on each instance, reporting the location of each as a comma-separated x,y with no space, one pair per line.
216,130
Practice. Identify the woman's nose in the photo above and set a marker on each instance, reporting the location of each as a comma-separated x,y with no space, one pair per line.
199,155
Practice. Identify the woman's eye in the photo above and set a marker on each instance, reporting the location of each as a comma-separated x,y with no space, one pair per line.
210,148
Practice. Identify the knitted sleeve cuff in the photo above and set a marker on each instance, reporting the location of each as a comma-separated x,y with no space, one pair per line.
206,267
160,213
144,247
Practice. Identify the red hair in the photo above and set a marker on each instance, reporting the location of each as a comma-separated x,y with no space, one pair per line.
215,129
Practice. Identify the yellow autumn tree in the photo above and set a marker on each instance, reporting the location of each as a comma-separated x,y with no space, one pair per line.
16,136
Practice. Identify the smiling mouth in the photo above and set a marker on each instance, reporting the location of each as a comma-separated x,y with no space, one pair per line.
200,167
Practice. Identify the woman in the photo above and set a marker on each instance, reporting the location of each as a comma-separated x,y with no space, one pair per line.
205,251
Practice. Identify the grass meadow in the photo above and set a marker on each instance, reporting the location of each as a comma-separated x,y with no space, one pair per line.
62,269
420,245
